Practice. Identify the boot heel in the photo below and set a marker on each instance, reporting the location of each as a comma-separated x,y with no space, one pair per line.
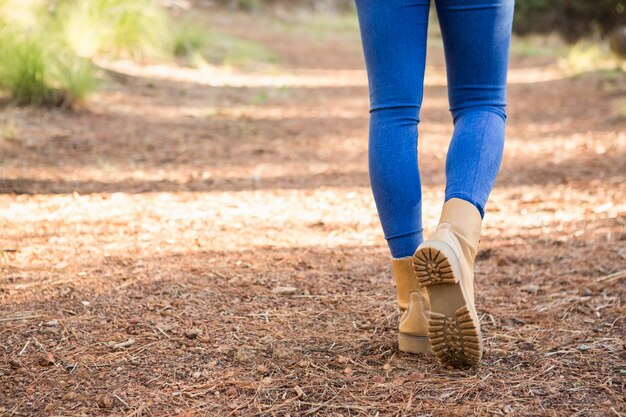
432,267
453,331
455,340
413,344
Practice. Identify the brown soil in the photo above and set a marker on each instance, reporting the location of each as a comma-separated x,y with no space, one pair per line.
204,242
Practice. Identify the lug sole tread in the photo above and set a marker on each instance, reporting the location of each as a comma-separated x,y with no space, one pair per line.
454,339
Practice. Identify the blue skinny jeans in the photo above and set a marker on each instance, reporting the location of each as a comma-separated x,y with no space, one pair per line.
476,37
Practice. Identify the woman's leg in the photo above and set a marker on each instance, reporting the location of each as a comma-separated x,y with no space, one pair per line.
394,42
476,36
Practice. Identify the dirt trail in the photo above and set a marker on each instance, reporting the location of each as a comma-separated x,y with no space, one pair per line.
205,243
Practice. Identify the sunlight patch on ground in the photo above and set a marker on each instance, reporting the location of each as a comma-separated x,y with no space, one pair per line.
117,174
157,223
280,77
302,78
557,147
535,75
346,109
342,109
227,77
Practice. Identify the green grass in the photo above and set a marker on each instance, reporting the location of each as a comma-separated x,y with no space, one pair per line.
188,39
23,68
591,55
113,27
47,48
75,77
538,46
194,45
223,49
139,28
36,67
37,72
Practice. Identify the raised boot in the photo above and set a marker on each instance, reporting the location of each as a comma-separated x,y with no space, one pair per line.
413,304
444,265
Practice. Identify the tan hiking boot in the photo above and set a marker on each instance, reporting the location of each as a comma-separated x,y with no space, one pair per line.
444,265
414,306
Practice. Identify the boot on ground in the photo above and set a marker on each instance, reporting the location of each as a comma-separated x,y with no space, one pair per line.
444,266
413,304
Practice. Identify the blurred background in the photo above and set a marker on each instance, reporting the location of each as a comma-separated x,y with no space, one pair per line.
49,49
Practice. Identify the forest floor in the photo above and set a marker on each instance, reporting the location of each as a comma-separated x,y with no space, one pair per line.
204,242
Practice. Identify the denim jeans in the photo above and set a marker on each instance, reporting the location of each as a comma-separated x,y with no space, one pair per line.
476,36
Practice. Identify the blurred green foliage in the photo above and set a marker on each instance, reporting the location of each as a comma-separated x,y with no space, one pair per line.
48,48
572,19
35,67
23,70
195,45
112,27
223,49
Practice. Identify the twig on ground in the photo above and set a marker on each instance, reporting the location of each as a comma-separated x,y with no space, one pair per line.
19,318
616,276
